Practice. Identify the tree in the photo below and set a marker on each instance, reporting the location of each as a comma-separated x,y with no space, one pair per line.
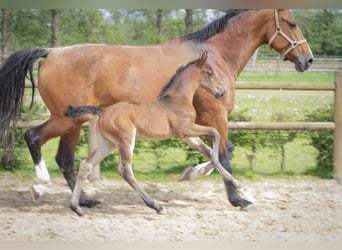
188,21
55,28
4,34
322,29
30,28
159,21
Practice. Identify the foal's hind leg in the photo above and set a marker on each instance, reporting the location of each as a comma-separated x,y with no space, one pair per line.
104,148
125,170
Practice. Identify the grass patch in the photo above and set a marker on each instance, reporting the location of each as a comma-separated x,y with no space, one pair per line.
292,76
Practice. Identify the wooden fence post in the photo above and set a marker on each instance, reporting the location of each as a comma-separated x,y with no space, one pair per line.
92,144
338,128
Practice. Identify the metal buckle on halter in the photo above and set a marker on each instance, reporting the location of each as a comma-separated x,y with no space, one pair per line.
293,44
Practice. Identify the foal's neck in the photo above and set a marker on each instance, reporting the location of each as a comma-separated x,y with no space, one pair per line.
183,90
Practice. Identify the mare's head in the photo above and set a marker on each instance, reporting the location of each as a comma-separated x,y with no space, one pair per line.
285,36
206,77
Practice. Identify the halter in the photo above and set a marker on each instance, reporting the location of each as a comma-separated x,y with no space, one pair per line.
278,31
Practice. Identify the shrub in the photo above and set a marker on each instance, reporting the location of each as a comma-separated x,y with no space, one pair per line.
323,141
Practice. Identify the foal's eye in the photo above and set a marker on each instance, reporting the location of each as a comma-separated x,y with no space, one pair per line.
210,73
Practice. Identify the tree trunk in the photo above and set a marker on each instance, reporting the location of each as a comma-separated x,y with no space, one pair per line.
188,20
282,162
4,34
159,21
55,14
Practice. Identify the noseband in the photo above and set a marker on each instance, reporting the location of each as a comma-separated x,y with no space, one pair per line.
293,44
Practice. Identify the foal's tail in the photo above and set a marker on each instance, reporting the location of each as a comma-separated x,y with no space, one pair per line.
76,111
12,85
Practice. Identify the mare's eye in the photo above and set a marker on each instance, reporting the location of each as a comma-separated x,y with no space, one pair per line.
210,73
291,25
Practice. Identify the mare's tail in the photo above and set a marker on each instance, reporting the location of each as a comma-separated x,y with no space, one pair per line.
76,111
12,85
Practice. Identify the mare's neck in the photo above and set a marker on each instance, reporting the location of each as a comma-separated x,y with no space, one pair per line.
240,39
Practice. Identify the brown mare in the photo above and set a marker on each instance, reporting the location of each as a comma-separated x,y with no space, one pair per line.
171,114
102,75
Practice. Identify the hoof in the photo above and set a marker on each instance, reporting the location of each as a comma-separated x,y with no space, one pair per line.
89,203
185,175
36,191
162,210
249,208
77,210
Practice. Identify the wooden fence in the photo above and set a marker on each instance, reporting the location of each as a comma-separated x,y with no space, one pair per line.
336,126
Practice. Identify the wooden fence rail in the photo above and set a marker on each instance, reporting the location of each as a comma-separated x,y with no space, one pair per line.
335,126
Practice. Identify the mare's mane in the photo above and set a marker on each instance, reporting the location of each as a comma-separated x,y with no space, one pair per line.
171,82
214,27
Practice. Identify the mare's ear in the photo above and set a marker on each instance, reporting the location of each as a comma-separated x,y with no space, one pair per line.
203,58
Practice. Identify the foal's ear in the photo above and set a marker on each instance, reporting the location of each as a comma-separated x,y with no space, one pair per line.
203,59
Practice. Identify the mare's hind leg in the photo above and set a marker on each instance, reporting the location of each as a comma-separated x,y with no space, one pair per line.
65,160
34,140
125,170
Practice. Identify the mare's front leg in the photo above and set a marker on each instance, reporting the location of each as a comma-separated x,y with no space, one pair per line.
221,124
65,160
234,198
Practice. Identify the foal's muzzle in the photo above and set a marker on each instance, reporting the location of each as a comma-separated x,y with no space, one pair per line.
219,93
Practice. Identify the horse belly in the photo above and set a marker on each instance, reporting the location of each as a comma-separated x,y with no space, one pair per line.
154,129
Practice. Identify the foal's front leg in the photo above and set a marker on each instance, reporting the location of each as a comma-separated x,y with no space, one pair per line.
215,158
201,169
196,130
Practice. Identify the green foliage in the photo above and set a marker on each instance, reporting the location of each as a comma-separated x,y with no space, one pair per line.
12,157
322,29
279,138
13,160
323,141
250,139
31,27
